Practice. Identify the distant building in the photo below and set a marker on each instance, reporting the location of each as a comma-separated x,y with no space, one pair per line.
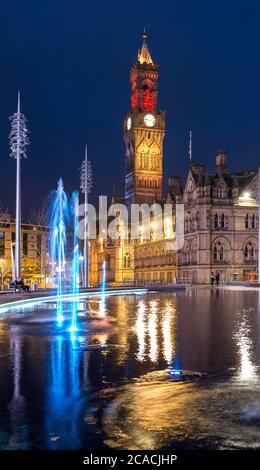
221,224
221,210
34,251
139,261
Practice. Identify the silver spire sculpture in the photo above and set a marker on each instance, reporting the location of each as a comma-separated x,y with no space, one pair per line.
86,184
18,142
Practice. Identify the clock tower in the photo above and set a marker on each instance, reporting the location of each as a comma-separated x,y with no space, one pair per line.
144,129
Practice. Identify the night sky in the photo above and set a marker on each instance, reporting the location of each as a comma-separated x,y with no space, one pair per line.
71,61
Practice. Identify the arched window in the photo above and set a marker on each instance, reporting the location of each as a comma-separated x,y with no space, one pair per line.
216,221
253,221
250,252
222,223
127,260
218,252
220,193
148,102
246,221
186,252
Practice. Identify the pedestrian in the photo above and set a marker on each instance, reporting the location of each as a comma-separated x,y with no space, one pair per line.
217,276
212,278
24,286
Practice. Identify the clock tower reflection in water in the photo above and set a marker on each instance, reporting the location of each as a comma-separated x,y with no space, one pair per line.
144,129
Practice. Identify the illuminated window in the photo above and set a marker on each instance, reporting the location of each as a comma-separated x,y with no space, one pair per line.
148,100
134,99
127,261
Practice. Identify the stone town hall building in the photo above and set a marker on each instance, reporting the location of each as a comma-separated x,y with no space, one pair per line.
221,212
221,224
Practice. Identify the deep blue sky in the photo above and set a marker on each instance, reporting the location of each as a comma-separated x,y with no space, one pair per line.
71,61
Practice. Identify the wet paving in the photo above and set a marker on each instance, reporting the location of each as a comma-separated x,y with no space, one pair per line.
168,370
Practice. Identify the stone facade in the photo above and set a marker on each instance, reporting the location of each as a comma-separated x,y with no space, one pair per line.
144,129
34,250
221,210
139,261
221,224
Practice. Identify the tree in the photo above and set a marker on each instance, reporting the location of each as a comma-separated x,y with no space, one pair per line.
5,268
40,220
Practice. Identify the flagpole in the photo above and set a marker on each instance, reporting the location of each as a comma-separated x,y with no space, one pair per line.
190,147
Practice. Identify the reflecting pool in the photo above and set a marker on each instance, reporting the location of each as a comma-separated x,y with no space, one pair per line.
177,370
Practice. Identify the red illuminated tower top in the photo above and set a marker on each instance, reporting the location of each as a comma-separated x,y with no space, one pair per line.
143,78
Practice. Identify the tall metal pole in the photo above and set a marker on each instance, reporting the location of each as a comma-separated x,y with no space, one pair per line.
259,224
18,199
86,250
86,185
18,142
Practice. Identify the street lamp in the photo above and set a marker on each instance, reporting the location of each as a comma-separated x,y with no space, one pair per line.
86,184
259,224
18,142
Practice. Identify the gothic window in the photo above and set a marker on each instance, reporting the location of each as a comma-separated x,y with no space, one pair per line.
186,253
220,192
148,100
134,99
218,252
250,221
220,221
127,260
250,252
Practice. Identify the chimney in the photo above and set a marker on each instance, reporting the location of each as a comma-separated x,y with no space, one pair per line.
174,185
221,162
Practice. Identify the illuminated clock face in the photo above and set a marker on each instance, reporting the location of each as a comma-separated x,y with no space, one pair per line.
129,123
149,120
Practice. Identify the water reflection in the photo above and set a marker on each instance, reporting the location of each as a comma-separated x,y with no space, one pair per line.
155,329
64,401
140,330
152,330
243,337
168,324
109,383
17,406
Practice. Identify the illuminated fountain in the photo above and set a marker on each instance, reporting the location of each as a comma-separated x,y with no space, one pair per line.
75,270
58,242
103,289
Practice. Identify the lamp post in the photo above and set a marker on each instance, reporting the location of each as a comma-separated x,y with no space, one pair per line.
18,141
86,184
259,224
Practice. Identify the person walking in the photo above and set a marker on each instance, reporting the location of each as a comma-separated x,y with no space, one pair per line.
212,278
217,276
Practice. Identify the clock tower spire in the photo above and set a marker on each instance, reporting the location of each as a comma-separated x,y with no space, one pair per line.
144,129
